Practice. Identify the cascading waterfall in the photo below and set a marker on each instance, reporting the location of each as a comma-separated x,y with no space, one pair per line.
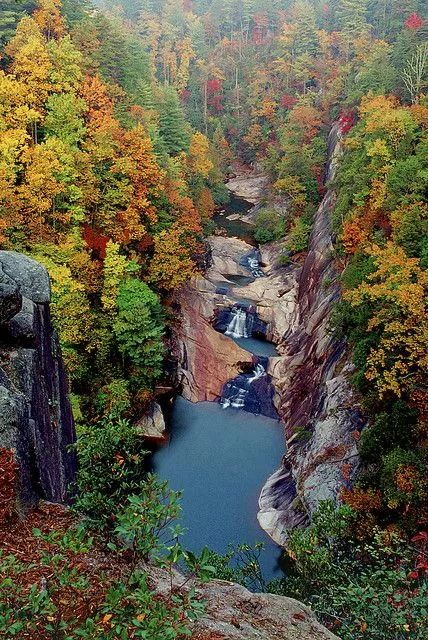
241,324
252,263
236,391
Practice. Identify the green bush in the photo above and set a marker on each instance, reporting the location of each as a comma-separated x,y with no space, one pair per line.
366,590
139,329
386,431
298,237
114,399
111,466
269,226
360,266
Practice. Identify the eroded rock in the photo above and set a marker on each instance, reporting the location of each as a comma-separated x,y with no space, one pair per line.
316,402
152,425
248,186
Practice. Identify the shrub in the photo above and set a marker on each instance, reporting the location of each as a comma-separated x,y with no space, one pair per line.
297,239
139,328
114,399
111,466
365,590
269,226
360,266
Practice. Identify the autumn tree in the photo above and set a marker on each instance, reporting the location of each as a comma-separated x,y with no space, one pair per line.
48,16
398,292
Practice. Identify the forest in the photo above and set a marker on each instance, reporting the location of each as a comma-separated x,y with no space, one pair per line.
120,122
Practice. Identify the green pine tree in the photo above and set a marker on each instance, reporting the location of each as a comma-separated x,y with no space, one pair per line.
172,124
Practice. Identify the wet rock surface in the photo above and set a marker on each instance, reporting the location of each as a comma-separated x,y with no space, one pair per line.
35,415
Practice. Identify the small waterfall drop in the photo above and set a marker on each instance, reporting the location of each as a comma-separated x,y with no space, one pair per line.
240,324
242,392
252,262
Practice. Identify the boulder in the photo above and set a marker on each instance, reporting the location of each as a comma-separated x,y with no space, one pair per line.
152,425
31,278
234,613
248,186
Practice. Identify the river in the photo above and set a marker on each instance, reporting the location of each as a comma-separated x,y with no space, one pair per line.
220,457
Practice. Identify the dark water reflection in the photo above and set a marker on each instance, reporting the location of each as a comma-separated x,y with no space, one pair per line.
220,459
236,228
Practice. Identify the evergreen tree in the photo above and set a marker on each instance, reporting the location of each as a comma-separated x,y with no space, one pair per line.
351,17
11,11
172,124
139,329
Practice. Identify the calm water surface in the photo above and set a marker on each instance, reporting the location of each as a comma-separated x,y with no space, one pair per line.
221,458
258,347
236,228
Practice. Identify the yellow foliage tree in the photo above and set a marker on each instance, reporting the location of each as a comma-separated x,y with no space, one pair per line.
398,292
116,268
199,160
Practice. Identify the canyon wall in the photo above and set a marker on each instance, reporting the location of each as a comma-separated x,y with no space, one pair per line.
36,421
316,402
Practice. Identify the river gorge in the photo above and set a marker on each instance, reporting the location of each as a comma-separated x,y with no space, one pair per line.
264,386
221,452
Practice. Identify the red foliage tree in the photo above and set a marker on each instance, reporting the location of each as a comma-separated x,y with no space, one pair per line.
288,101
414,22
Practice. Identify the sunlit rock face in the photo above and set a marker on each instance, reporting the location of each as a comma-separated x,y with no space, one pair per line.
36,421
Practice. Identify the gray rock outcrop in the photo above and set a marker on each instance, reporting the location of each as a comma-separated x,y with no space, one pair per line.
152,425
234,613
36,421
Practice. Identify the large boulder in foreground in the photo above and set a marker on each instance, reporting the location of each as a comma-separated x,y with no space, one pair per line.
36,421
234,613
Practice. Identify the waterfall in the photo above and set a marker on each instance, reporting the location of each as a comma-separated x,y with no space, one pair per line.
240,324
236,391
252,262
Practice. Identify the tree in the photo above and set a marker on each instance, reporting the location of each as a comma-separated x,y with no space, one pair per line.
138,329
138,163
171,265
397,291
414,72
199,155
31,65
67,62
48,16
64,118
172,125
116,268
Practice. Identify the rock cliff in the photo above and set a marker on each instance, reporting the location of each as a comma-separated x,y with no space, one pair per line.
316,402
313,396
35,416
